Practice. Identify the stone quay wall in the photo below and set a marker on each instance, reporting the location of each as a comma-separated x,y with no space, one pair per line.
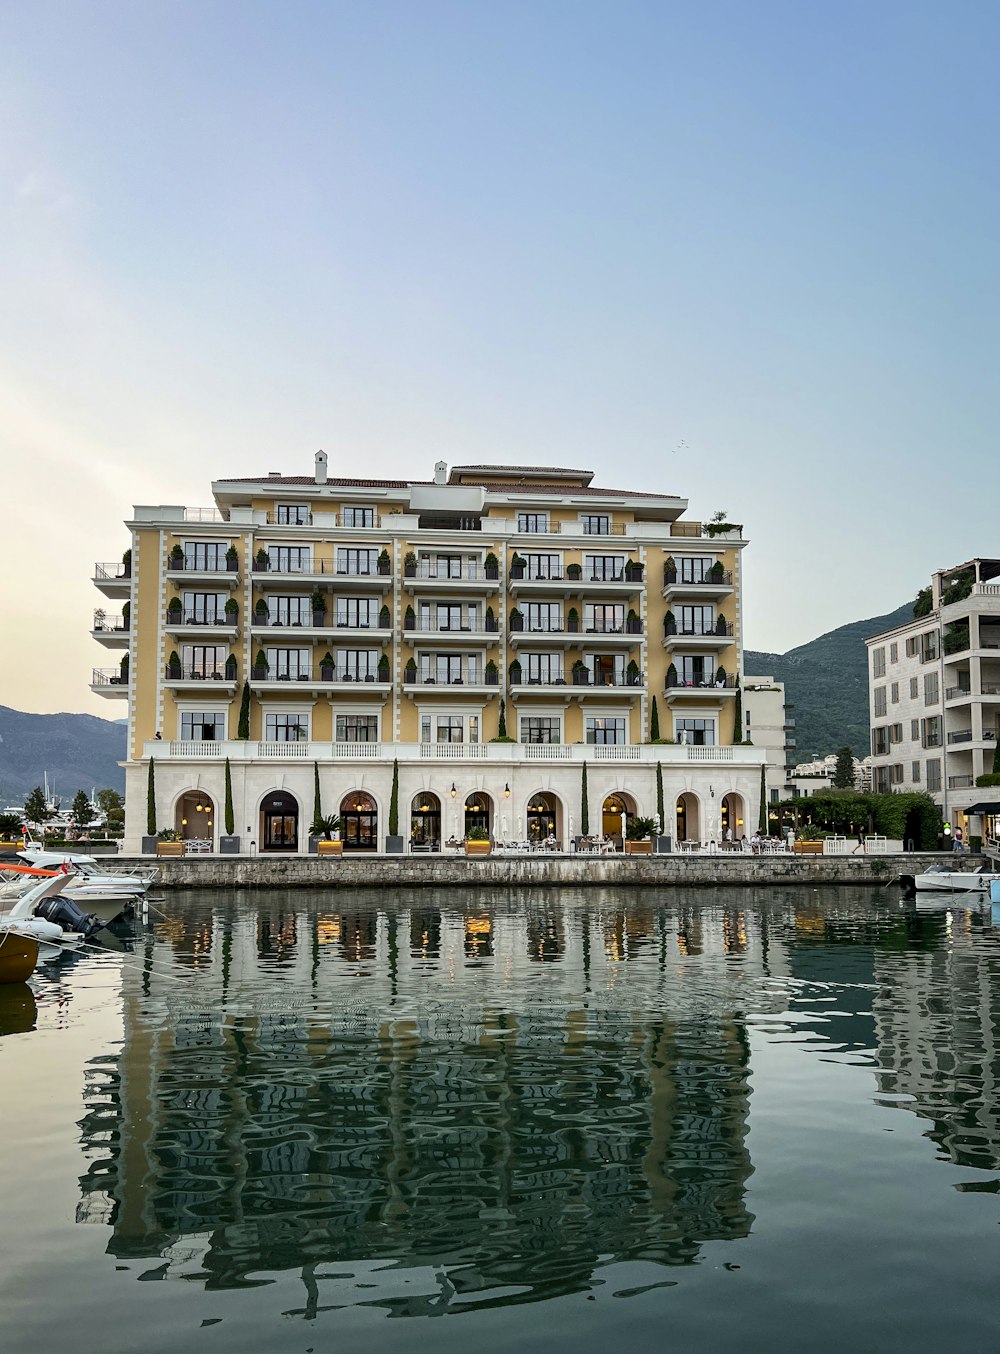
526,871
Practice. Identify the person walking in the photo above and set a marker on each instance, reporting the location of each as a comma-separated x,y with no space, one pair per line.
861,842
957,844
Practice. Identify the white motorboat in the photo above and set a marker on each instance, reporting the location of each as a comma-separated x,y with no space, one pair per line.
23,919
136,880
104,901
943,878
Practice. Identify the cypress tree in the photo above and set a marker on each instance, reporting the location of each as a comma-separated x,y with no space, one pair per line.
996,759
659,797
230,821
762,816
151,801
654,723
738,714
243,728
317,819
394,800
502,730
584,806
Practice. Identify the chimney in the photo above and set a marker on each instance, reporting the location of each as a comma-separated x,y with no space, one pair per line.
440,472
321,467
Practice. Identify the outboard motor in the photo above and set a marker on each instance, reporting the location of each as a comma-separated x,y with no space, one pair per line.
66,914
909,885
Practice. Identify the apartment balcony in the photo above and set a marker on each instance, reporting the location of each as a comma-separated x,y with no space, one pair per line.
325,678
719,638
318,569
219,681
960,782
577,581
471,678
344,632
184,625
523,635
111,631
581,684
965,740
429,576
960,695
479,630
680,693
717,583
111,682
186,573
113,580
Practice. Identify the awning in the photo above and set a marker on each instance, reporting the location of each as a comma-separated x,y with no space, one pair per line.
993,807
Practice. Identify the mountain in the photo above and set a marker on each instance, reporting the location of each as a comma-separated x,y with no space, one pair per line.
76,751
827,682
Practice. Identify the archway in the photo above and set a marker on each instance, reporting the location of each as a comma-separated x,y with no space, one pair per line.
194,817
688,819
279,822
359,821
615,813
425,822
734,814
479,813
543,817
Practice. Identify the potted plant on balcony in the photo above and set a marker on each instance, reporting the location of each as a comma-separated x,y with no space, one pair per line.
175,611
670,624
516,619
126,615
721,526
326,667
572,620
261,666
721,676
327,846
319,609
410,671
382,563
492,566
127,563
409,565
383,668
260,612
384,618
174,666
232,610
574,572
491,621
517,563
669,570
633,677
633,626
261,561
477,842
721,625
491,673
639,836
176,557
123,669
581,673
633,571
717,573
409,618
672,675
514,673
230,668
232,559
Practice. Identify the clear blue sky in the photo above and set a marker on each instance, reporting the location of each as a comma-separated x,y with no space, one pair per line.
764,234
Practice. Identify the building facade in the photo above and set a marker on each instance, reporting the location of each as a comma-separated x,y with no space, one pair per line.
768,725
491,632
934,693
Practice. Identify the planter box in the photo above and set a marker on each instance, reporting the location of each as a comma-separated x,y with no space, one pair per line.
662,846
807,848
170,848
149,845
478,848
394,846
638,848
325,848
229,846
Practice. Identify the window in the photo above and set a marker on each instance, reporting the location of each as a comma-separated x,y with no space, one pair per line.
543,566
896,773
605,729
695,570
595,524
879,705
895,733
696,620
603,619
912,646
915,773
533,522
289,665
289,611
200,727
357,517
880,741
281,728
204,660
540,729
449,669
357,665
292,515
880,779
878,661
545,616
203,608
697,670
914,688
894,653
290,559
357,613
701,731
542,669
933,766
894,693
914,729
449,728
355,561
930,732
931,689
205,556
357,729
930,646
603,568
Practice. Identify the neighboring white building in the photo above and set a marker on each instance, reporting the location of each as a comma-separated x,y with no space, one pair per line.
934,695
767,724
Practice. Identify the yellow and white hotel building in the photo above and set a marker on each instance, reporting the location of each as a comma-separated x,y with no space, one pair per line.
368,621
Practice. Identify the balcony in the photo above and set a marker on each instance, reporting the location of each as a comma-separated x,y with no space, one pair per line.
111,631
324,678
717,583
110,682
295,632
582,684
222,573
718,638
221,680
478,630
216,625
964,693
432,576
577,580
431,680
113,580
960,782
678,691
524,634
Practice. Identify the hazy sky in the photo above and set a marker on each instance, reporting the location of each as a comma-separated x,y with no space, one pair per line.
745,253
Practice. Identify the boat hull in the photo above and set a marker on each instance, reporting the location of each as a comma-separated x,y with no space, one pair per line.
18,956
953,883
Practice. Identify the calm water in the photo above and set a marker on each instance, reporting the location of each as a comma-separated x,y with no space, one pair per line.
563,1121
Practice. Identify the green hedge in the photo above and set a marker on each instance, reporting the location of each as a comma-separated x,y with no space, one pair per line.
897,817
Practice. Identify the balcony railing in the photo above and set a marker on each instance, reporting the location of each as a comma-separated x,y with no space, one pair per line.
176,672
579,677
709,684
466,572
108,677
630,572
464,674
111,573
643,754
318,566
954,693
347,519
721,628
423,625
178,565
960,736
176,616
715,578
110,625
519,625
960,782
